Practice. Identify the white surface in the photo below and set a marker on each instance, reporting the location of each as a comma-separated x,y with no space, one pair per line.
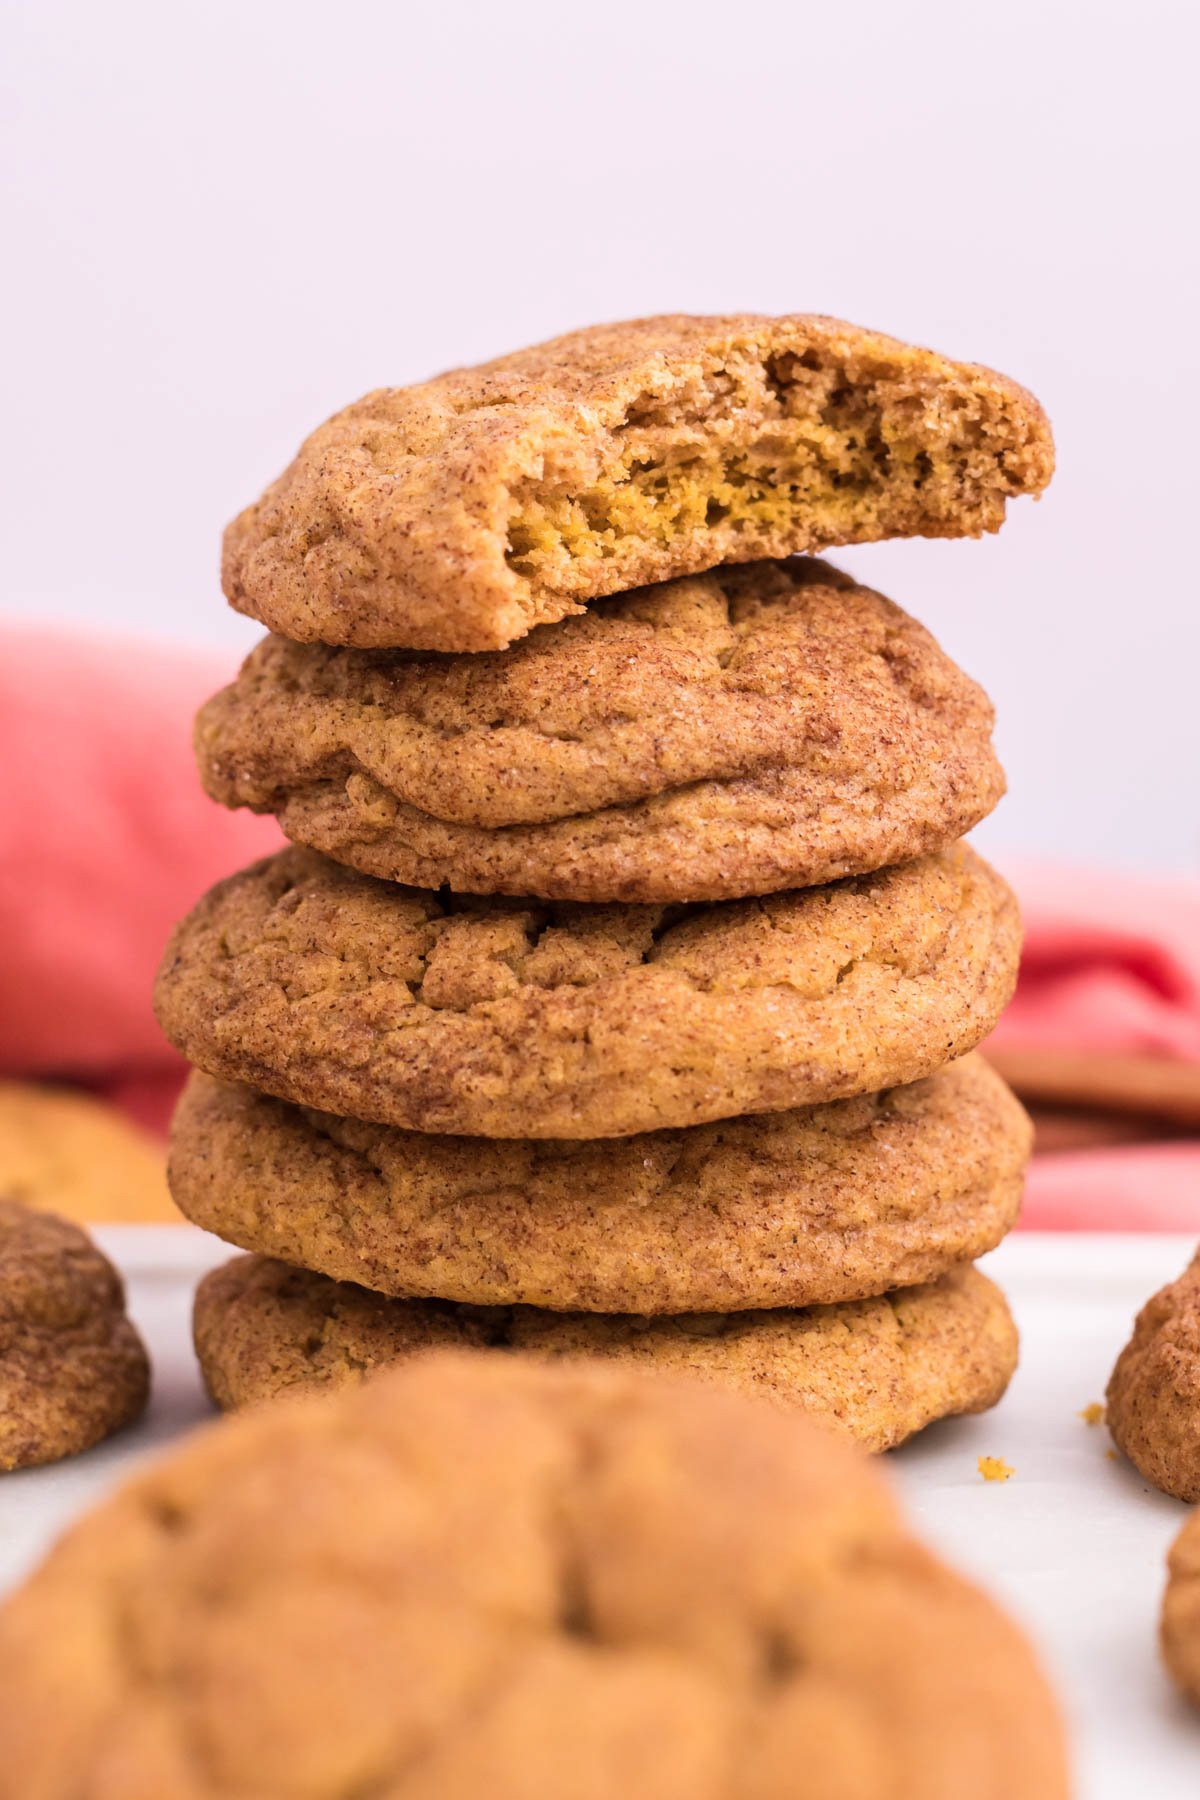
1074,1543
225,221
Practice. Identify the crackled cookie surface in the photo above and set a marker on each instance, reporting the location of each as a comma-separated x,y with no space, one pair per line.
504,1573
458,513
877,1370
820,1203
757,728
1153,1409
1181,1610
501,1018
72,1367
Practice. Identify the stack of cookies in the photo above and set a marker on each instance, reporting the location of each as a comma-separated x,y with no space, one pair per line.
618,992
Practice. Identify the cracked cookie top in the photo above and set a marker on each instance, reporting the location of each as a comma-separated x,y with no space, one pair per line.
475,1574
816,1204
499,1018
459,513
759,727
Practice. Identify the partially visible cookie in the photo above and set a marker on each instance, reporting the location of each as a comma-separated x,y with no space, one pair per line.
757,728
1180,1629
502,1018
1153,1408
484,1575
778,1209
878,1370
72,1154
458,514
72,1367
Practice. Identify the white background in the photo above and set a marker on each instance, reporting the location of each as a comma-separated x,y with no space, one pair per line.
225,220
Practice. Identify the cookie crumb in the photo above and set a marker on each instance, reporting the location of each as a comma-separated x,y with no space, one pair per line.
994,1468
1111,1454
1093,1413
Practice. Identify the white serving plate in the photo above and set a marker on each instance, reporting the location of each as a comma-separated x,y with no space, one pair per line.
1073,1544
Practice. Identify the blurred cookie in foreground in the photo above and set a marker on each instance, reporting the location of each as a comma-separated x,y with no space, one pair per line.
1180,1624
62,1149
518,1580
1154,1394
72,1366
877,1370
797,1208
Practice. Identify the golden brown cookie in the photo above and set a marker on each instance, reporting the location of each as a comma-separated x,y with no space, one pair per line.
878,1370
824,1203
1181,1610
482,1575
75,1155
1154,1394
765,727
457,514
503,1018
72,1367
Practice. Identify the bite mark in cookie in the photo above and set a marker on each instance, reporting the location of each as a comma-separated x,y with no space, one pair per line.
460,513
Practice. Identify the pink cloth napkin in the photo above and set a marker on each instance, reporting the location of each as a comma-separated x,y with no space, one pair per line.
106,839
1111,964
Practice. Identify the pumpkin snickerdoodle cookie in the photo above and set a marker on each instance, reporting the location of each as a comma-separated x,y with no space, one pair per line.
502,1574
500,1018
1180,1626
878,1370
72,1367
759,727
459,513
78,1156
1153,1400
819,1204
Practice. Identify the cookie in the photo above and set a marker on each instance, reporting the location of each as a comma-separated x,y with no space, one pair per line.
480,1574
502,1018
878,1370
1180,1630
72,1367
1153,1408
764,727
459,513
65,1151
824,1203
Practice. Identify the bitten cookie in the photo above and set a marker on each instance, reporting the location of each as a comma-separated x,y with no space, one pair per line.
74,1155
779,1209
481,1575
877,1370
457,514
1180,1628
765,727
72,1367
499,1018
1153,1408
